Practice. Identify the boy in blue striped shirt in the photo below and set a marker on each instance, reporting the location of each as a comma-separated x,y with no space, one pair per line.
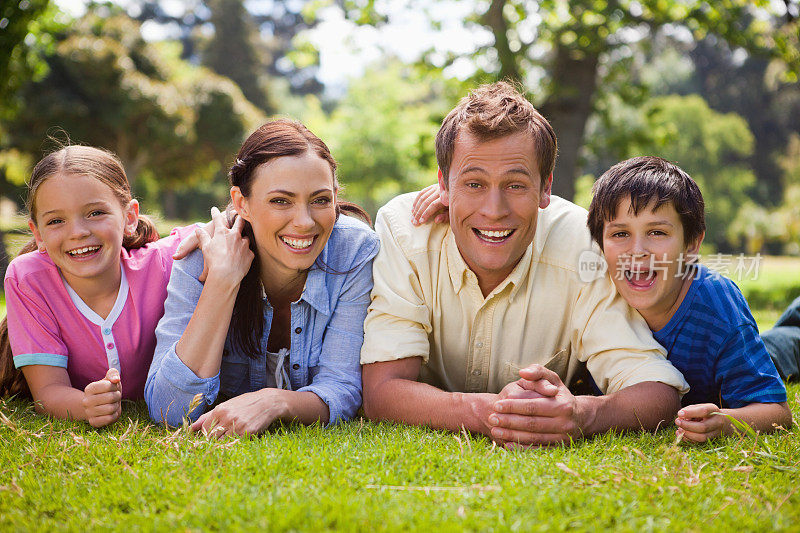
648,217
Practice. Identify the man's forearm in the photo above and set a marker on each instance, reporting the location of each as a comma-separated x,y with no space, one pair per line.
412,402
641,406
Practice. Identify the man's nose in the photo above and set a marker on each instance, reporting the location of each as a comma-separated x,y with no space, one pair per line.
495,204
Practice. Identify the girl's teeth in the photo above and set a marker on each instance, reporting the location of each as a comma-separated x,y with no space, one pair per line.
298,243
81,251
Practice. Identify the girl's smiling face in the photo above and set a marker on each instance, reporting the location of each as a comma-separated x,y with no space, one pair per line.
646,254
80,223
292,210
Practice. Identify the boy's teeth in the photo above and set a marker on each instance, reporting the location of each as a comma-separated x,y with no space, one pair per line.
495,234
85,250
298,243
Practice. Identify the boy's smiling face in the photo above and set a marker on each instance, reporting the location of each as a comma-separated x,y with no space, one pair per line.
646,253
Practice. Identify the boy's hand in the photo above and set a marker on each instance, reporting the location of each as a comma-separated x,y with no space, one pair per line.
427,205
102,400
697,423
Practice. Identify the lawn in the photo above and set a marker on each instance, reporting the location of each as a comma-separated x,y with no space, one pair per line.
377,477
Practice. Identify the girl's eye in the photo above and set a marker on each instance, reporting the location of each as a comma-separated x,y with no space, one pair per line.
53,222
96,213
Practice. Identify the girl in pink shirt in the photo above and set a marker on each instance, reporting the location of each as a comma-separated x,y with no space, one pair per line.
82,309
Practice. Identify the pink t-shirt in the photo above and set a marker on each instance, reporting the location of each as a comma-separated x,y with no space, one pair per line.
48,323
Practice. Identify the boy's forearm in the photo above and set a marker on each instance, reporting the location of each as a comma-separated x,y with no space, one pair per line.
762,417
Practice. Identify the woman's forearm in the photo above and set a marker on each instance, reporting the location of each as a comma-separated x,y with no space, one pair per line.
200,346
304,407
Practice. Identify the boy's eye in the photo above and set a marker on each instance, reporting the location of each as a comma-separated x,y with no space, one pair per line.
619,234
657,232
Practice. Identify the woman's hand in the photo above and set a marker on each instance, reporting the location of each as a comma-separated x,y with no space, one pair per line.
226,253
428,205
102,400
246,414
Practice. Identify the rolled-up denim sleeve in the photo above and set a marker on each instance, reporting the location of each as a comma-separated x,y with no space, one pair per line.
338,380
171,385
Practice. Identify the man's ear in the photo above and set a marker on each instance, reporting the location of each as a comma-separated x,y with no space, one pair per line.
240,203
443,196
547,190
132,217
36,235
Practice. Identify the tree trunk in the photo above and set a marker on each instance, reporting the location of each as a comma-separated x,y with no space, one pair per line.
496,21
568,108
169,203
4,259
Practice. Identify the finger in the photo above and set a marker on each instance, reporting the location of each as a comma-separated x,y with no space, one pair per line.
103,398
698,410
442,217
99,387
529,406
198,424
203,238
527,439
703,426
542,386
188,244
102,421
696,437
238,225
430,209
530,424
112,375
102,410
423,195
537,372
204,274
217,220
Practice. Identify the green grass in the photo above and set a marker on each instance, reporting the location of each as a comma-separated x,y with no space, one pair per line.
377,477
364,476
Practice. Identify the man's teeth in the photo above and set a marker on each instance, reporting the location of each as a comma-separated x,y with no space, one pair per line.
298,243
82,251
495,234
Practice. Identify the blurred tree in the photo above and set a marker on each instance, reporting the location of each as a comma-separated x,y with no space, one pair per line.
578,50
385,145
259,37
167,120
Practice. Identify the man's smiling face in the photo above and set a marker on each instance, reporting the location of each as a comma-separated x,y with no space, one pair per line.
494,193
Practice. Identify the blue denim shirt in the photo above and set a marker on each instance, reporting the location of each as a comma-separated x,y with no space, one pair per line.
327,330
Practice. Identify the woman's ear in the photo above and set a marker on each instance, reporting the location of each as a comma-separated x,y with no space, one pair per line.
132,217
239,202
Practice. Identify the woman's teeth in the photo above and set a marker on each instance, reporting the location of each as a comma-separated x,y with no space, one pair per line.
298,244
77,252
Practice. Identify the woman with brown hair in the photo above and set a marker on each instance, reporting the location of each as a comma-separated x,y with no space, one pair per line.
275,330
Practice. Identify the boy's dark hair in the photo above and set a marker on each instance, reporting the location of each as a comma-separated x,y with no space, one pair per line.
646,180
493,111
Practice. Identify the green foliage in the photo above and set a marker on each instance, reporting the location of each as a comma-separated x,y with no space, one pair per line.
168,121
362,476
710,146
382,132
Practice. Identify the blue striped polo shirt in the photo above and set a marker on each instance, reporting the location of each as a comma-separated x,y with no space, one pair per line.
713,340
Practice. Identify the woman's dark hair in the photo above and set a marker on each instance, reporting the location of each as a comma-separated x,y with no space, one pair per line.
71,160
278,138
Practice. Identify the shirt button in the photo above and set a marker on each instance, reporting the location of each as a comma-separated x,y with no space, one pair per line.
479,345
476,372
110,345
296,366
107,331
298,330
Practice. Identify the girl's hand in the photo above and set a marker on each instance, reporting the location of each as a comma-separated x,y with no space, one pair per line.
696,423
226,253
428,205
246,414
102,400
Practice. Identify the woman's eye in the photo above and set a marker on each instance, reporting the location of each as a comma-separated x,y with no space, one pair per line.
279,201
322,201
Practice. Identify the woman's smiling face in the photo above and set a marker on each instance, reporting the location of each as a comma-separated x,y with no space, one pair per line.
292,209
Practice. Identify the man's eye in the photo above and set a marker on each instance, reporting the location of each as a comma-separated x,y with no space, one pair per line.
473,185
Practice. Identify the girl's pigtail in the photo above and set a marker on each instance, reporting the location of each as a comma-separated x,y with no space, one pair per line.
145,232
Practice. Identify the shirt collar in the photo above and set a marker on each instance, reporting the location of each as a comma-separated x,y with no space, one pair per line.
459,270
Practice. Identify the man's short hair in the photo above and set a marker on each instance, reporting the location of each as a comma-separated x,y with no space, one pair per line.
647,180
493,111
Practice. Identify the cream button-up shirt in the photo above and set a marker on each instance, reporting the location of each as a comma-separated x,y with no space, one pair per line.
426,302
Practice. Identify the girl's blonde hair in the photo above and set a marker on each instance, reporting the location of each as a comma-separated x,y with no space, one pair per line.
80,160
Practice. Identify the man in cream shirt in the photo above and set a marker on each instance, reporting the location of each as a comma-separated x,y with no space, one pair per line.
479,324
